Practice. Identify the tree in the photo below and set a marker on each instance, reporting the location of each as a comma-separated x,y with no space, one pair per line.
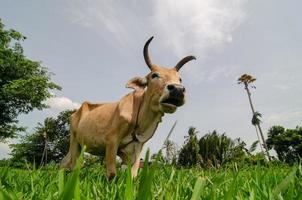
49,142
216,150
188,155
170,147
253,147
171,151
286,142
246,80
24,84
211,150
256,122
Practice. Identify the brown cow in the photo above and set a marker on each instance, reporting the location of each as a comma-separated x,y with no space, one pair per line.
122,128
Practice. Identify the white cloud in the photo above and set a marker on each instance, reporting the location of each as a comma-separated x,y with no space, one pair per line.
4,150
294,115
221,72
183,27
114,19
61,103
201,24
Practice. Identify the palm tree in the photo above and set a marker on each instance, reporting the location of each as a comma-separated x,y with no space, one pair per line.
247,79
170,148
256,121
192,132
252,147
44,155
215,149
188,155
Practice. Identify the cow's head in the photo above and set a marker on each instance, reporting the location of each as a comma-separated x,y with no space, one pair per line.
163,85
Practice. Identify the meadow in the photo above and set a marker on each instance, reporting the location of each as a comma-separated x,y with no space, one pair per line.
155,181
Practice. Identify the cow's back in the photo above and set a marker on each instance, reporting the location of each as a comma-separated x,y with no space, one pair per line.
85,108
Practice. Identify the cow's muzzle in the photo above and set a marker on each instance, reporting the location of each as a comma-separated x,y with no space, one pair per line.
175,97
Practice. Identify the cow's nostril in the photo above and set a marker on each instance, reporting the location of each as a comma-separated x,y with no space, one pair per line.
183,89
171,87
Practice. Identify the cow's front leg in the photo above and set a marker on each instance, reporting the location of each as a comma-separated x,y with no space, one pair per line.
137,152
111,151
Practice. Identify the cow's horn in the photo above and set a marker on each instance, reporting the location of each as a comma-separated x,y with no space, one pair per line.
146,53
184,61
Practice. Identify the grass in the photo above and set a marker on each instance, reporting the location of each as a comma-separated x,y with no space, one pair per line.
155,181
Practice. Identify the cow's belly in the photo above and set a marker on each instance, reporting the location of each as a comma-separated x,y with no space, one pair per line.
94,127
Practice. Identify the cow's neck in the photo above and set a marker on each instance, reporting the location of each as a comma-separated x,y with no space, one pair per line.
148,119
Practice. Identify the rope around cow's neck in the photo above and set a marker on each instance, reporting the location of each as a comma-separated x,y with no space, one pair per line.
133,134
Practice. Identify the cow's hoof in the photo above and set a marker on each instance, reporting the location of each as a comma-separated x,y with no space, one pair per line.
110,176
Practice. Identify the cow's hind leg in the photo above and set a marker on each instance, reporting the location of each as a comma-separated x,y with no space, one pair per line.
69,161
111,152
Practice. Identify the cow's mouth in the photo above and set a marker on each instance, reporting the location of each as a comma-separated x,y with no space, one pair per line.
172,102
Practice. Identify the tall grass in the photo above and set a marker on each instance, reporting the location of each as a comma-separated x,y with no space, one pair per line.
155,181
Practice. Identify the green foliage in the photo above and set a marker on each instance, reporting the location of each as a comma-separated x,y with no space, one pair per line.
286,142
212,150
199,185
164,182
171,152
217,150
253,147
24,84
188,155
147,176
71,188
49,142
256,118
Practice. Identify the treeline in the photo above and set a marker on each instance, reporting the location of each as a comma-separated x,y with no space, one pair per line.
217,150
50,142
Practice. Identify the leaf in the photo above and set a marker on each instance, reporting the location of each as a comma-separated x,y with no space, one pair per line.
145,184
283,184
5,195
129,189
199,185
72,186
253,146
61,181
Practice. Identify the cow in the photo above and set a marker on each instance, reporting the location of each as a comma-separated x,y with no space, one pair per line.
122,128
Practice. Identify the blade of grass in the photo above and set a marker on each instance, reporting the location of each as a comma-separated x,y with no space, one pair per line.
199,185
129,185
283,184
145,184
232,189
61,181
5,195
72,184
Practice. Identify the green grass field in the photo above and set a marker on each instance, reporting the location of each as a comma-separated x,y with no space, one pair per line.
154,183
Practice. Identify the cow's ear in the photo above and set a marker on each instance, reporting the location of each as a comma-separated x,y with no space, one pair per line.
137,83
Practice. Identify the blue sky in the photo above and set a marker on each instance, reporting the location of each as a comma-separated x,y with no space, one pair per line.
95,47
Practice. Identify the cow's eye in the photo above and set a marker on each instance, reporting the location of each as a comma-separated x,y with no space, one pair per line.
180,80
154,75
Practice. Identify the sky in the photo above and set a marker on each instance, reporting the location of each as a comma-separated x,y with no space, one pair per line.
94,47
